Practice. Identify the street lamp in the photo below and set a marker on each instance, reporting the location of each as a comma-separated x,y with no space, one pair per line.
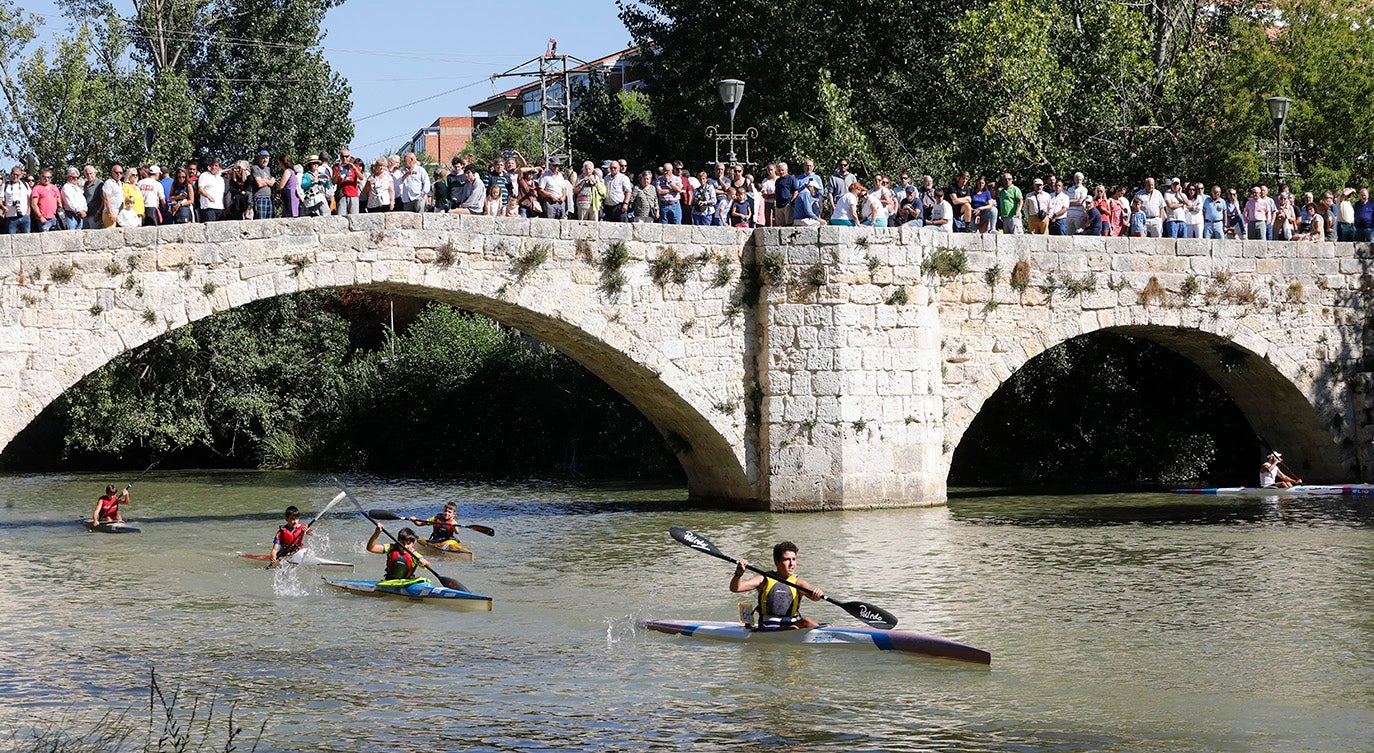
1278,111
731,91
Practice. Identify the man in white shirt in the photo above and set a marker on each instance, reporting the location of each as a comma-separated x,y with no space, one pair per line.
618,192
1059,210
74,200
113,191
1078,201
154,196
1152,203
17,196
941,215
1177,206
210,192
412,185
553,192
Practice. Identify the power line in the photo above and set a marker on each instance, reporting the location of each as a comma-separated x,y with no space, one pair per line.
418,101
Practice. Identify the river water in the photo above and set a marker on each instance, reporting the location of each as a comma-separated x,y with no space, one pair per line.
1143,622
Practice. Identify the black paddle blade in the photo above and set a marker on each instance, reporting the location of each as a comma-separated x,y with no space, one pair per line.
697,541
384,515
450,583
868,614
484,530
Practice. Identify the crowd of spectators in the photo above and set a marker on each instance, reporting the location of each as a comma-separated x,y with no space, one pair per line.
723,195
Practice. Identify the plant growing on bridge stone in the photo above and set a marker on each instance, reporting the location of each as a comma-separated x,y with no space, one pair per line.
991,275
446,255
29,299
1076,287
772,267
899,297
727,407
609,265
873,263
670,266
1020,276
945,262
817,276
97,309
208,288
113,268
1189,287
150,316
724,273
297,263
531,259
1154,292
61,272
1295,292
859,425
130,282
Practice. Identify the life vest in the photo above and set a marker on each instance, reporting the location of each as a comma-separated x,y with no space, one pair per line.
779,602
288,541
109,505
400,563
443,529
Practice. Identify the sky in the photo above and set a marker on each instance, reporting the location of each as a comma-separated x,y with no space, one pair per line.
410,63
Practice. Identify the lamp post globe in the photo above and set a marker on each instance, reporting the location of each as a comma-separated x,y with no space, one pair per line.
731,91
1278,112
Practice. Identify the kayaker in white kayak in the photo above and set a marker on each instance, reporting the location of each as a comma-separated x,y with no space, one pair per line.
779,603
1272,475
290,537
107,507
401,559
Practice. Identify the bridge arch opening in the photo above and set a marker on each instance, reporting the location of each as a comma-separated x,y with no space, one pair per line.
1141,406
625,366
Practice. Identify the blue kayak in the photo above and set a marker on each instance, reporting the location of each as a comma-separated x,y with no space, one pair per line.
415,590
1333,490
826,636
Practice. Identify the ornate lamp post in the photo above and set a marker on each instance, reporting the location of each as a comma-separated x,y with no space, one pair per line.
731,91
1278,111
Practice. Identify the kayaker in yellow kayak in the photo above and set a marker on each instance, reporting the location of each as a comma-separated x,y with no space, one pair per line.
401,558
290,537
445,525
779,603
107,507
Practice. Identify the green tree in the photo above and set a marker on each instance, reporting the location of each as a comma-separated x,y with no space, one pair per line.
614,124
507,133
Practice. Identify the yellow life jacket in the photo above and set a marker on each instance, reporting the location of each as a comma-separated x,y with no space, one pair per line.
779,602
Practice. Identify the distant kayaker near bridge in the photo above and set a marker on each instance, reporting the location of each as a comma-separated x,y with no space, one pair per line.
779,598
1272,475
107,507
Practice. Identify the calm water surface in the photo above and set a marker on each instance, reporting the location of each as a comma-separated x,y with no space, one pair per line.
1116,623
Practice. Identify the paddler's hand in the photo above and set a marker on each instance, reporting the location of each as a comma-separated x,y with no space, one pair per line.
379,526
740,567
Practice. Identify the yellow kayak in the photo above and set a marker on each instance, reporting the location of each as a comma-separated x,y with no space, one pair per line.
449,547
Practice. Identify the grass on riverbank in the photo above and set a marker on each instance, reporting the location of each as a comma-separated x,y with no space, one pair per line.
170,728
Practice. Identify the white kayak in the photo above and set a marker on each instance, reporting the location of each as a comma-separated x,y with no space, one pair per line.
1333,490
303,558
829,635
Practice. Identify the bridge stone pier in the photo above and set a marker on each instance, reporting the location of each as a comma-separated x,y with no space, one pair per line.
788,369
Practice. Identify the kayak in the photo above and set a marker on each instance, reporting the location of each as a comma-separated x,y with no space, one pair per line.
110,526
1335,490
415,590
828,635
304,558
450,547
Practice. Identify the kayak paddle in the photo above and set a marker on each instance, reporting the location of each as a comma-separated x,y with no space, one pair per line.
387,515
447,582
867,613
151,466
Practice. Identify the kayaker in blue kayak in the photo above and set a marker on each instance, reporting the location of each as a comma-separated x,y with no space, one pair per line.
445,525
107,507
401,559
779,606
290,537
1272,475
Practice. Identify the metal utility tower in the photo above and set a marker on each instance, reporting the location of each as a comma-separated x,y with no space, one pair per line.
555,99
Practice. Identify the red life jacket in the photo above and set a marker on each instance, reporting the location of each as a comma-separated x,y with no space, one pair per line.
288,541
444,529
109,505
400,563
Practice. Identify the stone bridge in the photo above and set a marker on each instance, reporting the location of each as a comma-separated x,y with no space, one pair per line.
788,369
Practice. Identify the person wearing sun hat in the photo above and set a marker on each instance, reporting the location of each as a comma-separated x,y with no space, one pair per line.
1272,475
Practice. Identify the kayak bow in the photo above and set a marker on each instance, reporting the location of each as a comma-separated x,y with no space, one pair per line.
862,637
303,558
109,526
449,548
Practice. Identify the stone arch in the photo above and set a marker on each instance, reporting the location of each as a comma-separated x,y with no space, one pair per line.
1262,380
191,272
